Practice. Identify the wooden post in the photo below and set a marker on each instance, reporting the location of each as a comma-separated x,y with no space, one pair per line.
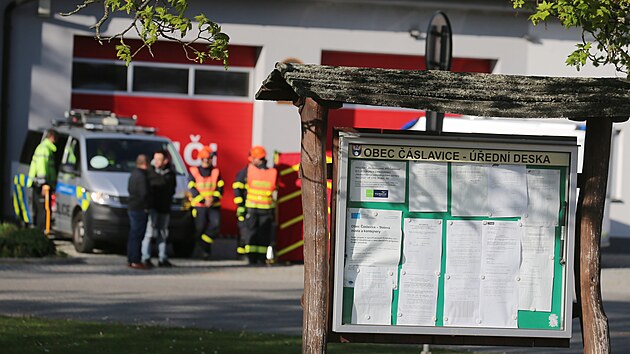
313,165
591,203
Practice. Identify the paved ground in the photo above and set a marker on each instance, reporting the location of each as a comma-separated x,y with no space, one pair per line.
223,294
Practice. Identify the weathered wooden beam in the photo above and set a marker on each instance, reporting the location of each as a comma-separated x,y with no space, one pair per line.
591,203
314,203
490,95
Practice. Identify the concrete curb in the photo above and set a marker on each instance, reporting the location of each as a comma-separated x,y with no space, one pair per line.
43,260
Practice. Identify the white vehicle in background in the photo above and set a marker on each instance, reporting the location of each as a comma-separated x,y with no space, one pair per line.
538,127
96,152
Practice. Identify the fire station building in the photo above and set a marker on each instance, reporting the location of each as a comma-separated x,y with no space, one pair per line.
51,64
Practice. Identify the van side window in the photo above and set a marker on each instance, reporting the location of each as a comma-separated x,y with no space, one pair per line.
72,155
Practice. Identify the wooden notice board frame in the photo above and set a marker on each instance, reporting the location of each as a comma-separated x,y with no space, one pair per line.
535,328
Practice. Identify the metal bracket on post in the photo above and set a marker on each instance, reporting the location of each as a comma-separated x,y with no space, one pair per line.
438,55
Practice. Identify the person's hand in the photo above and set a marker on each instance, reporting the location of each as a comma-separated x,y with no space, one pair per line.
208,203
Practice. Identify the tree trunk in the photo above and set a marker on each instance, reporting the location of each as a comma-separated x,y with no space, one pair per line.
592,199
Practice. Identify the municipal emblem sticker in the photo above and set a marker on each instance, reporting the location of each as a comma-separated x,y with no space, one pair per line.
553,320
356,150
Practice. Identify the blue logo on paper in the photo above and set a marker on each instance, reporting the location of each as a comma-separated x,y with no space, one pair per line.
356,150
379,193
355,215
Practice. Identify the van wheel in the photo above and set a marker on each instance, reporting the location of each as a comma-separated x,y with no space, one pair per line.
82,243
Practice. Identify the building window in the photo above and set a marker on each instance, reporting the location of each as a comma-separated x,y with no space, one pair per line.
221,83
160,79
99,76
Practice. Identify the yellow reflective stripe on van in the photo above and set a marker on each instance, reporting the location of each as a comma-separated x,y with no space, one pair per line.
83,198
291,169
22,205
290,248
16,204
290,196
291,222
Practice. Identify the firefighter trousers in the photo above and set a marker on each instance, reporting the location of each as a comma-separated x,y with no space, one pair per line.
257,233
207,225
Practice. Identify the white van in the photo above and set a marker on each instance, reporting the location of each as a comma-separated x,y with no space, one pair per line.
96,153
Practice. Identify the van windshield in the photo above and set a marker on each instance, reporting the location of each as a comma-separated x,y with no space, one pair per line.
119,155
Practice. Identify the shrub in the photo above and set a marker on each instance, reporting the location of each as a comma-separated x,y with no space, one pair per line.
7,228
26,243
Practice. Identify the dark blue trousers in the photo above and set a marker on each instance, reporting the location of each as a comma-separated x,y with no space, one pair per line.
137,228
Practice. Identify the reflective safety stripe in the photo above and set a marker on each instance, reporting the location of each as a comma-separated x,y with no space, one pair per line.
328,184
194,213
290,248
16,204
207,239
291,169
83,198
206,186
238,185
290,196
22,190
238,200
220,184
252,249
291,222
217,194
191,184
261,183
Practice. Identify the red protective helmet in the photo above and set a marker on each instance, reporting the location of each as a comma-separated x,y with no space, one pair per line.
258,152
205,153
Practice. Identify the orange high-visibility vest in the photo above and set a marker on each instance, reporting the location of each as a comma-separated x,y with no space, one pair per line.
204,185
260,186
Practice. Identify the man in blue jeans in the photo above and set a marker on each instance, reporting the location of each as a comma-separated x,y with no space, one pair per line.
137,211
161,190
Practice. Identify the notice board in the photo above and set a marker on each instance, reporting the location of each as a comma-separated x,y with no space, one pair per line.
453,234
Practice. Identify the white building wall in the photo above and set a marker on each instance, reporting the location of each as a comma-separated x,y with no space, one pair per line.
302,30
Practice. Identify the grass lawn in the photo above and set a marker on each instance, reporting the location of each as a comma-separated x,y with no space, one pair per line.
25,335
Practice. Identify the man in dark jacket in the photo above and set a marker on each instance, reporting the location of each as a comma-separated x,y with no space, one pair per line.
137,211
161,190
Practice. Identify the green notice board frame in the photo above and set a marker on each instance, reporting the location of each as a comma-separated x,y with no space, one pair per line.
535,153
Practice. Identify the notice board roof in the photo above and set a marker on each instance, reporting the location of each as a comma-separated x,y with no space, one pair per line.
490,95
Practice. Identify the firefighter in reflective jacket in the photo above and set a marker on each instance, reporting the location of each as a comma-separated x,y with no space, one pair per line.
206,189
42,172
254,192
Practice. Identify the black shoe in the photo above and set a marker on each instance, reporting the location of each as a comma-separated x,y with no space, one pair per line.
165,263
148,263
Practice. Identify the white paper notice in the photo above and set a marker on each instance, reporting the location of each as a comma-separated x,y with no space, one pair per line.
417,299
500,262
507,190
462,274
422,249
378,181
536,273
470,190
428,187
372,297
543,193
373,238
